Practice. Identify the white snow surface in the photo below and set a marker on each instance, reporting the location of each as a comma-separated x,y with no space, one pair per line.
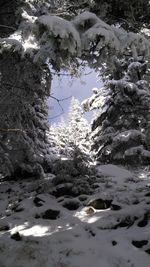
76,238
114,171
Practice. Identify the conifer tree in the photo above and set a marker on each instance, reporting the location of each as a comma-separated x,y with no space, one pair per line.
72,135
77,124
120,132
61,134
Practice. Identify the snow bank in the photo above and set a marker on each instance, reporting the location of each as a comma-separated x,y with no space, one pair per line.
106,238
113,171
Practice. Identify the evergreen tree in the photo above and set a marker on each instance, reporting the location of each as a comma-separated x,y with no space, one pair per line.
52,140
77,125
71,136
120,132
61,133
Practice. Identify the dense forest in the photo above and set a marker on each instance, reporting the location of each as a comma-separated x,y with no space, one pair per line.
75,193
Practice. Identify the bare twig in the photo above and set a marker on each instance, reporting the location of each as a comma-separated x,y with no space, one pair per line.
58,101
74,6
54,117
11,130
9,27
68,74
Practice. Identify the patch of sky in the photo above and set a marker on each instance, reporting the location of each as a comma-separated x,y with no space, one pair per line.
64,87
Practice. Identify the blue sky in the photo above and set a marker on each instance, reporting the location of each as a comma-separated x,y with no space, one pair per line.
66,87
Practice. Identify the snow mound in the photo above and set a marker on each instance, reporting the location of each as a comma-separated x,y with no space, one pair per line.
114,171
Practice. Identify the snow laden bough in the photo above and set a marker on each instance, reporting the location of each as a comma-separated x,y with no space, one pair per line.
52,37
59,42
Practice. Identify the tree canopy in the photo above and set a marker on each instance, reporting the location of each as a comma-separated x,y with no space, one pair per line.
44,35
64,34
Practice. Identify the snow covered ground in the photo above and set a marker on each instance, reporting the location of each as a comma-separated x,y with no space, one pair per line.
111,227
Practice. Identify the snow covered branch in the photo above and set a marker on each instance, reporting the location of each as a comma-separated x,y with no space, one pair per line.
59,40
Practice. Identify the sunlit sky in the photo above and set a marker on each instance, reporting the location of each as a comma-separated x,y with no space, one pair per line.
66,87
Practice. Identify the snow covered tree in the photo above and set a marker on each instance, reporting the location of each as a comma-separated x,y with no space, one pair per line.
72,142
77,125
53,142
121,130
23,145
78,130
61,134
72,135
